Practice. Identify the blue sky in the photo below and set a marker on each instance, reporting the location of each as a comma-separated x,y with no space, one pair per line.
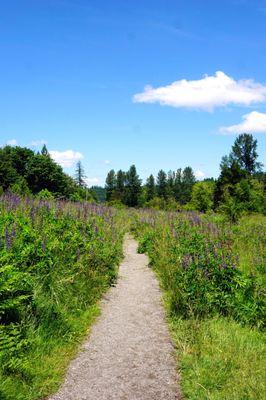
69,71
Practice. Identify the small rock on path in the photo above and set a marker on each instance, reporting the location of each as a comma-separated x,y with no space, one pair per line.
129,354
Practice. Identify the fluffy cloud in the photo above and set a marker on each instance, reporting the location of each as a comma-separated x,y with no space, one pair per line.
12,142
199,174
254,122
206,93
106,162
66,158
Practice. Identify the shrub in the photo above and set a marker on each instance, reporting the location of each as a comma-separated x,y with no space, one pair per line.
198,268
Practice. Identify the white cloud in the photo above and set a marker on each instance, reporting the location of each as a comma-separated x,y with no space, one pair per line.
254,122
207,93
107,162
37,143
92,181
66,158
12,142
199,174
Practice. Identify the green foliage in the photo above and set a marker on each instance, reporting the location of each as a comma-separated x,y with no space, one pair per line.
219,359
80,175
24,172
133,187
44,173
249,241
110,185
244,152
124,187
151,188
162,184
213,279
198,267
120,185
202,196
100,193
159,203
20,187
44,194
188,180
56,260
240,187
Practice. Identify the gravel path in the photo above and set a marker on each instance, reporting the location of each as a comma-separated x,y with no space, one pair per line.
129,355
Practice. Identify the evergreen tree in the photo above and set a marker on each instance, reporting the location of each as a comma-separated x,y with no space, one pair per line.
244,152
133,187
162,184
188,180
178,184
110,185
120,184
238,166
80,175
170,183
150,188
44,150
100,193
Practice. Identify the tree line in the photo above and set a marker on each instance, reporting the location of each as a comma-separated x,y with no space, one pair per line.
239,187
127,188
25,172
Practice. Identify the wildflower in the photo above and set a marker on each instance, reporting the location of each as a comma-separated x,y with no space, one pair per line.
8,238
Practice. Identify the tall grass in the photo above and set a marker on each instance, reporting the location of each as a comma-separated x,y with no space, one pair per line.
215,305
56,260
250,245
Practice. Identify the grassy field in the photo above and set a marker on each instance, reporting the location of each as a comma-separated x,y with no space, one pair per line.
212,276
56,259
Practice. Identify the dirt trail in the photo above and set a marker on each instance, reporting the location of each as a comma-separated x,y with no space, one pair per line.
128,355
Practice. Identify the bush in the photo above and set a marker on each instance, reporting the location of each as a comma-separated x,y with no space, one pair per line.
57,258
199,270
44,194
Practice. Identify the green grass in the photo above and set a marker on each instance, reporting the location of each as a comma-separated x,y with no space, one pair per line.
250,245
219,359
47,361
56,261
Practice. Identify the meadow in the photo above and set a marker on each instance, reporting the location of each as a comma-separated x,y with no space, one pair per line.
213,277
58,258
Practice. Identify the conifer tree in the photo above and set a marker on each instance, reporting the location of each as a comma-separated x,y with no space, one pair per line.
120,184
188,180
162,184
178,184
133,187
151,188
244,152
44,151
80,175
110,185
170,183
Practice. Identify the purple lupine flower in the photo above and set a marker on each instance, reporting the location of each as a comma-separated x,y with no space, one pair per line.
8,238
206,273
186,261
